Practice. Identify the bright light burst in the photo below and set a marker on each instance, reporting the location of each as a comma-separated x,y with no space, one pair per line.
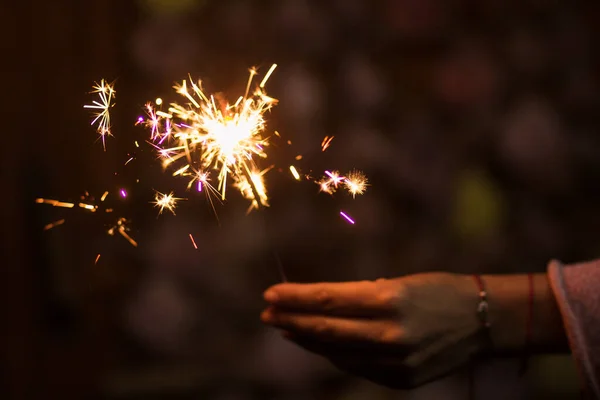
165,201
206,133
106,94
356,183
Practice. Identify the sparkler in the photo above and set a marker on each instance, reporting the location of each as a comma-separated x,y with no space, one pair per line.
204,137
207,134
106,94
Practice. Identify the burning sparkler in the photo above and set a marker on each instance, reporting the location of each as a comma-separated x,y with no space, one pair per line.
206,134
106,94
201,138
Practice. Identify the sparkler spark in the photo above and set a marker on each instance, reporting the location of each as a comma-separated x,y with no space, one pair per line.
330,183
122,228
326,142
54,224
347,218
88,204
193,242
55,203
356,183
168,201
252,187
106,94
210,134
294,172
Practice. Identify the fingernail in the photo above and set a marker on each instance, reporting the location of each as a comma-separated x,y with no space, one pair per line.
271,296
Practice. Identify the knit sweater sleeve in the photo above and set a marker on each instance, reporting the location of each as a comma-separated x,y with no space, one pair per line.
577,291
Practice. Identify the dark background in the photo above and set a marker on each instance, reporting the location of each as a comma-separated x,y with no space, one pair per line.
476,123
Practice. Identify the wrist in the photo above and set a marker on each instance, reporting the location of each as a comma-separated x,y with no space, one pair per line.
516,307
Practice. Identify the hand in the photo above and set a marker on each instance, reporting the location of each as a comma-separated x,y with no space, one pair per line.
400,332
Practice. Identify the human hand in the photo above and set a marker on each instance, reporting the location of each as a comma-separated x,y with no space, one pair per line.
400,332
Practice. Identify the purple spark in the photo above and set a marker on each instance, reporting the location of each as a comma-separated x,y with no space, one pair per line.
347,217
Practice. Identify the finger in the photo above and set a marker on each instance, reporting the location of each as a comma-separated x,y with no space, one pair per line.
364,298
327,328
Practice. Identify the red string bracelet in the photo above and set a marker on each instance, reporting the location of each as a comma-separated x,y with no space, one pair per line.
528,324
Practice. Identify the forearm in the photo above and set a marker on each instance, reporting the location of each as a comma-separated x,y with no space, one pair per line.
509,312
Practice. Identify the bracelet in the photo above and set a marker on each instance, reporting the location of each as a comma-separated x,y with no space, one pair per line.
528,325
483,307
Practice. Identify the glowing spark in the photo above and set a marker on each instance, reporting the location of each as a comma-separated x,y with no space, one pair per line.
128,161
326,142
335,178
54,224
55,203
211,134
136,144
181,170
298,157
97,258
254,189
295,172
267,76
106,94
350,220
121,227
123,193
331,182
87,204
164,114
356,183
158,101
153,121
202,178
193,241
89,207
167,201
